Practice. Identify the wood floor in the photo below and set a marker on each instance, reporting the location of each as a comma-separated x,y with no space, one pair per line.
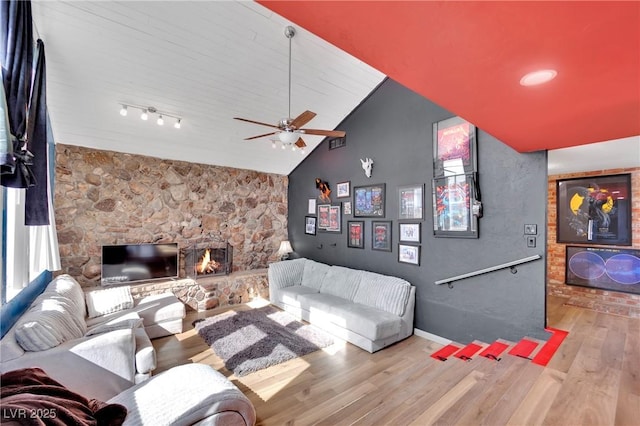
593,379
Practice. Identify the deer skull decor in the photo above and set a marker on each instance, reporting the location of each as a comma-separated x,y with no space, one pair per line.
367,166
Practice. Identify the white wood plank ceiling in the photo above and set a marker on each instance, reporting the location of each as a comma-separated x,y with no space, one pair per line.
206,61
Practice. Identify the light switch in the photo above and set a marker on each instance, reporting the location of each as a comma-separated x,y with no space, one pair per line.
531,242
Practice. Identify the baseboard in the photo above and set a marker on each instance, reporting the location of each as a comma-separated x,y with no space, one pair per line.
432,337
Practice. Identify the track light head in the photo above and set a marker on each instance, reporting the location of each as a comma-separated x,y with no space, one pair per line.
123,111
160,120
144,115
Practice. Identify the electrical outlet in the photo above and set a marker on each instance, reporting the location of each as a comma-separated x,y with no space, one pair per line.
531,242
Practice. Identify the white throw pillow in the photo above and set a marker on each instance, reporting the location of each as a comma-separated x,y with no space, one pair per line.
47,324
67,289
102,302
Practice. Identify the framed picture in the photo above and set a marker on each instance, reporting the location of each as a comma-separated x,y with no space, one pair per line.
346,206
411,202
409,254
355,234
454,147
453,200
343,189
311,206
310,225
594,210
369,200
329,218
381,235
605,268
323,216
409,232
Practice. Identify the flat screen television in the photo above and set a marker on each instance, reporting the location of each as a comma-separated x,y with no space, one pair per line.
127,263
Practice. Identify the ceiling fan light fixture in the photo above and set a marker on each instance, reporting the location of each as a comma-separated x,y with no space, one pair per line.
535,78
288,137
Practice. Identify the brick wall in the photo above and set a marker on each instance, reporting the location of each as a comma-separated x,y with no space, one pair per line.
600,300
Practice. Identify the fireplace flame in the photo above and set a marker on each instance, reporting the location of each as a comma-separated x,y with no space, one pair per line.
208,266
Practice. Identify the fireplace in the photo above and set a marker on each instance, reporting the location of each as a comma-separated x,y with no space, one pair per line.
206,259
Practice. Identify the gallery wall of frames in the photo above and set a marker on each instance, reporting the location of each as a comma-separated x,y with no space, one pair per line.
402,197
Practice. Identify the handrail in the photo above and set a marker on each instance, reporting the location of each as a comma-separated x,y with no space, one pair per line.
485,270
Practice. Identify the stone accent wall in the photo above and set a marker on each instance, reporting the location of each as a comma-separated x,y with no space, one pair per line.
600,300
210,292
104,197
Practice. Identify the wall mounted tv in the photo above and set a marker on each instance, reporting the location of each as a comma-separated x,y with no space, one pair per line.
127,263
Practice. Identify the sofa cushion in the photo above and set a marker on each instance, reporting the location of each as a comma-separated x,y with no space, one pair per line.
48,323
317,302
289,295
390,294
102,302
341,282
130,321
314,273
365,320
199,395
157,308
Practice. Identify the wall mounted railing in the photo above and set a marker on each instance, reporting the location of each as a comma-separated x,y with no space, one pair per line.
511,265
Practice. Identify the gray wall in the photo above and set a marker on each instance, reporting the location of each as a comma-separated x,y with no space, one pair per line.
394,127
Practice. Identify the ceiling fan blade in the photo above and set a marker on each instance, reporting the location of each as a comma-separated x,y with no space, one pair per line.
260,136
300,143
333,133
256,122
302,119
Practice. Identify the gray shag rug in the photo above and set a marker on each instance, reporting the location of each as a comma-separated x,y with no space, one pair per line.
251,340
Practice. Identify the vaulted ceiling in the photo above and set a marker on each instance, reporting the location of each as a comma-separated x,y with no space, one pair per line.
211,61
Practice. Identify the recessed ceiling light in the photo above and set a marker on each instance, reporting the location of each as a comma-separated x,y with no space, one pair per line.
538,77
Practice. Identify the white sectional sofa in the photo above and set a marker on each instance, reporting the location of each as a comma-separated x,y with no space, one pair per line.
98,357
370,310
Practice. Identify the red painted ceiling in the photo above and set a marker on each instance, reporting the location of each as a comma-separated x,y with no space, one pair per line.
468,57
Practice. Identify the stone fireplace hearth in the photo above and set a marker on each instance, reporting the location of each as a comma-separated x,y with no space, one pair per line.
207,259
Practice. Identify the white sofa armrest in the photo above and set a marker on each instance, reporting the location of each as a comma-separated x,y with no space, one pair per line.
186,395
145,353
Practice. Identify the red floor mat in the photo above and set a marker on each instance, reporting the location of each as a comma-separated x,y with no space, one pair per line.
445,352
494,350
468,351
546,352
523,348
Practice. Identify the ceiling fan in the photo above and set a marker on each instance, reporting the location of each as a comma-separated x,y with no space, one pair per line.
290,130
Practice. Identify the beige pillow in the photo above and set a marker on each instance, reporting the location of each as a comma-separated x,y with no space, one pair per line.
102,302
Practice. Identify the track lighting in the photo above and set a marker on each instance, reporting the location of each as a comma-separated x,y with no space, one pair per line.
145,111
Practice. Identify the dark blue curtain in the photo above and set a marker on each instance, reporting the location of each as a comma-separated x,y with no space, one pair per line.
37,201
16,52
25,93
